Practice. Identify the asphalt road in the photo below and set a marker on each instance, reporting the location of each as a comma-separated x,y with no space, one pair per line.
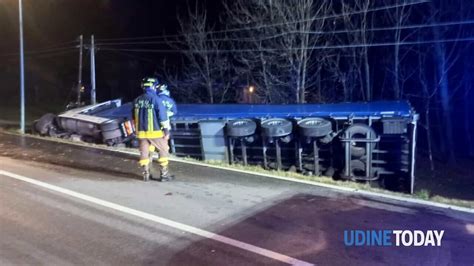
67,205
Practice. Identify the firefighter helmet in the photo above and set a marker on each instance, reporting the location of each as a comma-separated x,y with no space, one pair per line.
162,87
150,83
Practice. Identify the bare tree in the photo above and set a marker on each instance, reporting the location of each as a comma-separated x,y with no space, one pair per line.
468,82
397,18
446,56
205,67
357,26
281,57
427,96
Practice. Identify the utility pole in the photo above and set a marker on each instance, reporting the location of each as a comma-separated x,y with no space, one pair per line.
92,51
79,76
22,71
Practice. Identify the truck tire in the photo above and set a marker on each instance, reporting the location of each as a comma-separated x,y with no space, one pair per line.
314,127
277,127
113,134
110,125
241,128
358,149
357,167
43,125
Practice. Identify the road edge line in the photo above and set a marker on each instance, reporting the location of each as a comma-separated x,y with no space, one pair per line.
160,220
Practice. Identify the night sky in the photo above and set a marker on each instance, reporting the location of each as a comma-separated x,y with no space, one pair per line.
53,24
48,22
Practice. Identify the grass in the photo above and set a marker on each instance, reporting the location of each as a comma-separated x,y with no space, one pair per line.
422,193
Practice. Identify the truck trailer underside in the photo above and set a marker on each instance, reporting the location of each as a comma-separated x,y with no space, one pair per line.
366,142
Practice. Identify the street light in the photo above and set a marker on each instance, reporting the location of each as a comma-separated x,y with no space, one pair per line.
251,90
22,71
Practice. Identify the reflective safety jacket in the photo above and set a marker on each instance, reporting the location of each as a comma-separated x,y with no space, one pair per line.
169,103
150,116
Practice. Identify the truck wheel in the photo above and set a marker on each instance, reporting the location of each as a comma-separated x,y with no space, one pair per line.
357,151
359,131
53,132
314,127
133,143
110,135
241,128
357,168
330,171
277,127
110,125
43,124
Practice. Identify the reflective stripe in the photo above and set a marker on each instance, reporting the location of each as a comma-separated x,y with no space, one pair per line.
163,161
149,84
136,118
166,124
144,162
150,120
150,134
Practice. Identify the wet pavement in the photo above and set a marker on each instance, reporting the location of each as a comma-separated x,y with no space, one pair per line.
38,226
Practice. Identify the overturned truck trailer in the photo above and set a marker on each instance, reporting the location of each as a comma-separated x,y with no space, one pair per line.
355,141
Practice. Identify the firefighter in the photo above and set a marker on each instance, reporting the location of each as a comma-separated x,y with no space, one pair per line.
164,96
169,103
152,126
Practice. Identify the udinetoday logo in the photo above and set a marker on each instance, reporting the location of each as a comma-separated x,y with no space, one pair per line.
398,238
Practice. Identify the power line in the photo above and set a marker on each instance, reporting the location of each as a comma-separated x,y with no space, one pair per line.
403,27
376,9
41,51
53,54
60,44
45,55
53,46
133,56
296,49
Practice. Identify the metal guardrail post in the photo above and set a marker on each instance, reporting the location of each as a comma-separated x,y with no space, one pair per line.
243,146
316,158
231,148
278,154
413,152
299,151
264,150
347,155
368,152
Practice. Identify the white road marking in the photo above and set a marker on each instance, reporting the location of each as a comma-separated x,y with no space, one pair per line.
183,227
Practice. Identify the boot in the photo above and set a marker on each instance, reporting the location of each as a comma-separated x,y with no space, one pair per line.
146,173
165,174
